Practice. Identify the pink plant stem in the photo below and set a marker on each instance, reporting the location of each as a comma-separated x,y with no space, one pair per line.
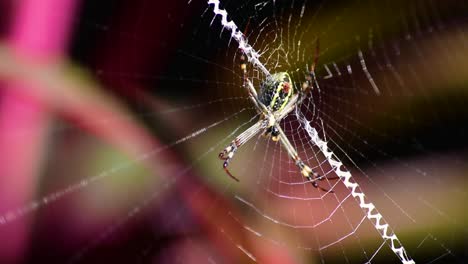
40,31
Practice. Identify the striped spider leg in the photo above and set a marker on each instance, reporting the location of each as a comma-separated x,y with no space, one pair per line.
269,122
306,171
278,97
311,80
311,175
228,153
264,124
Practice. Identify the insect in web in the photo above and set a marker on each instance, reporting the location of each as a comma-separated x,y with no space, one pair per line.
277,97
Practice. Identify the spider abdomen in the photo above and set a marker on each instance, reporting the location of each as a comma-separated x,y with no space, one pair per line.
276,91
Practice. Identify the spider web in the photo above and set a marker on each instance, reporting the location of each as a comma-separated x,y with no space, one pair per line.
374,118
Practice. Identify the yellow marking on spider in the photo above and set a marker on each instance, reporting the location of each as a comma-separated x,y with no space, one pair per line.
306,171
280,87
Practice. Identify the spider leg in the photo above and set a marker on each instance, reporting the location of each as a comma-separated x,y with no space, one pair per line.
321,178
228,153
315,184
261,108
247,84
317,55
310,77
225,164
288,107
306,171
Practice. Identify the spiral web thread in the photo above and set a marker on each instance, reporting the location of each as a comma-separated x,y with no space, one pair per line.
236,34
384,229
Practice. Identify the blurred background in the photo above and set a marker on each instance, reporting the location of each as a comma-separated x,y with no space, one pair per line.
112,115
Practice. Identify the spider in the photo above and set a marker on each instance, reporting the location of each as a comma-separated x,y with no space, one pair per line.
276,99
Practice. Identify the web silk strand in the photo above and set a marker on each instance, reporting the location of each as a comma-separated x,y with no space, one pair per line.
384,229
252,55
